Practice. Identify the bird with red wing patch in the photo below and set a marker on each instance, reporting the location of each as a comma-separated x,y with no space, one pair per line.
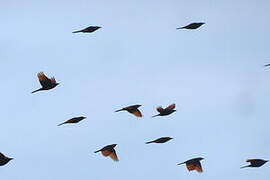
167,111
45,82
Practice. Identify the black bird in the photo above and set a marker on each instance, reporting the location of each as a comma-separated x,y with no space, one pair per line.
132,109
89,29
266,65
109,151
255,163
193,164
192,26
73,120
160,140
45,82
4,160
164,112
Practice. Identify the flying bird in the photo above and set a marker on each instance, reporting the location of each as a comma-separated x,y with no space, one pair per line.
89,29
4,160
266,65
45,82
193,164
164,112
109,151
192,26
255,163
132,109
160,140
73,120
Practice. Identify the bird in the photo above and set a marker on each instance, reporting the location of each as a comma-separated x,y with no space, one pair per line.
132,109
89,29
45,82
109,151
73,120
266,65
164,112
193,164
255,163
4,160
192,26
160,140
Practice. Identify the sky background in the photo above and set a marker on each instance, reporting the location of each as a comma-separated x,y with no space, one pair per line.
214,74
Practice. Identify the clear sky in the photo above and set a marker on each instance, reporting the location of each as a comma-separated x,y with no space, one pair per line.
214,74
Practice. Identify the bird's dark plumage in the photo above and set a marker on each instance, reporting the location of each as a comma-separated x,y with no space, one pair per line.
160,140
192,26
255,163
73,120
89,29
193,164
164,112
132,109
266,65
109,151
45,82
4,159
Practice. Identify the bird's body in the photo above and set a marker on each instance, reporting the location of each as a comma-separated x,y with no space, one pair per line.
89,29
192,26
193,164
132,109
109,151
160,140
73,120
266,65
45,82
4,160
255,163
167,111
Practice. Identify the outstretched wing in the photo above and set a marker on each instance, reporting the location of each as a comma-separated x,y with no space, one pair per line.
137,113
198,167
44,80
190,167
53,81
170,107
113,155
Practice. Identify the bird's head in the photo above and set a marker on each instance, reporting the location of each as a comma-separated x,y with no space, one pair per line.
113,145
138,105
83,117
9,159
98,27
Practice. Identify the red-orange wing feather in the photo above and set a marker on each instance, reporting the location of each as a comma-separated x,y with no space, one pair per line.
106,152
113,155
160,109
250,160
137,113
198,167
43,79
53,80
172,106
190,167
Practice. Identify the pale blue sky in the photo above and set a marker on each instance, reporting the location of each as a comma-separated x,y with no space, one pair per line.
214,74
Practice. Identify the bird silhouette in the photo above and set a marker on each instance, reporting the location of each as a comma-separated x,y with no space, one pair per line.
266,65
255,163
192,26
109,151
132,109
160,140
73,120
45,82
193,164
167,111
4,159
89,29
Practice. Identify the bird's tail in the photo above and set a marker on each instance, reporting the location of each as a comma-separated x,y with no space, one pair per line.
180,28
77,31
181,163
245,166
149,142
36,90
61,124
155,115
119,110
96,151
